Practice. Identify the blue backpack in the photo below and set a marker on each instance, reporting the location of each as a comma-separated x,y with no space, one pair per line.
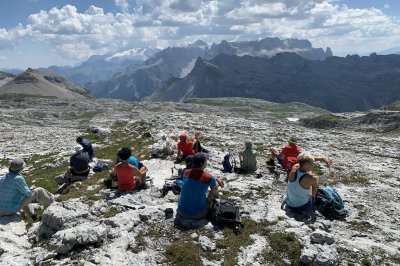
330,204
226,164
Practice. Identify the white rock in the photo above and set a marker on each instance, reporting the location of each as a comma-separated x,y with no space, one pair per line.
84,234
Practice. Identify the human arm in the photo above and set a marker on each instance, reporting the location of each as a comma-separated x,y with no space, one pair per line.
314,185
22,187
277,153
293,171
328,162
214,186
220,182
138,172
240,157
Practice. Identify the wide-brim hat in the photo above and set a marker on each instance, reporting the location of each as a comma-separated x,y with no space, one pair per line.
16,165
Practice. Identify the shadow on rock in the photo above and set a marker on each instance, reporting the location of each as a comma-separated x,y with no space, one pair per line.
10,219
307,217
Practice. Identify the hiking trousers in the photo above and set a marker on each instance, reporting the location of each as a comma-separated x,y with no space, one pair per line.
39,194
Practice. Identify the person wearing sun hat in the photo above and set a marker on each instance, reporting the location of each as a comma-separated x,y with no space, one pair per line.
15,193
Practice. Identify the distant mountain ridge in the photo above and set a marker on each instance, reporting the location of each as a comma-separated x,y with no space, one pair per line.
101,67
336,84
142,80
5,77
34,82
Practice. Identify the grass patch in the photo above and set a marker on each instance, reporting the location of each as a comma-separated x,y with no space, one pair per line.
80,189
282,246
323,121
352,178
361,226
183,254
111,212
42,175
232,243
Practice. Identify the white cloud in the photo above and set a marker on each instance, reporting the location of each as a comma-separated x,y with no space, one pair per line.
123,4
2,57
164,23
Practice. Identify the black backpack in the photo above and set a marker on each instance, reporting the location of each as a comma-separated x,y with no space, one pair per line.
226,213
330,204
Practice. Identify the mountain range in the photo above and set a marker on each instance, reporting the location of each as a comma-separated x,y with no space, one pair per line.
142,80
337,84
101,67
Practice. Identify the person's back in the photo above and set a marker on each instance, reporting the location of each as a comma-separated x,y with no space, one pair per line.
13,189
297,195
192,201
290,153
87,146
133,161
302,185
291,150
125,176
79,162
186,147
249,160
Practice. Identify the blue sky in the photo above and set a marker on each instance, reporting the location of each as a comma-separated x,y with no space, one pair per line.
40,33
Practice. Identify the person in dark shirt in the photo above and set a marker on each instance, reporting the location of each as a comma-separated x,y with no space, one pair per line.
78,169
79,162
87,146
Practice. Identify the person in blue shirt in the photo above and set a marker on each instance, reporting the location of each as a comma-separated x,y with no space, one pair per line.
87,146
133,161
15,193
193,202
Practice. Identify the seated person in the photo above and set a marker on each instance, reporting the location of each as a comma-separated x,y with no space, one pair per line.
163,148
16,195
87,146
302,186
79,163
128,176
133,161
185,148
197,145
78,169
248,160
193,202
176,185
287,157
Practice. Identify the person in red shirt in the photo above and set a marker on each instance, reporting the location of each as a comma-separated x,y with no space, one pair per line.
287,157
128,176
185,147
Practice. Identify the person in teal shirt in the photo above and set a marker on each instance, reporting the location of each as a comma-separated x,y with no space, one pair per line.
15,193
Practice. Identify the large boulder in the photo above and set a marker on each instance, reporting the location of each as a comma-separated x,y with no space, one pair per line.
85,234
60,216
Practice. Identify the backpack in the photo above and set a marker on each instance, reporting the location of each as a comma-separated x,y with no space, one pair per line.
226,163
330,204
226,213
99,168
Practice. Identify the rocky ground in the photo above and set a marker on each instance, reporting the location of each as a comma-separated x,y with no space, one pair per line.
91,225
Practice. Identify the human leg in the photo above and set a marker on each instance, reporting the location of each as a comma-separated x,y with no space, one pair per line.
40,194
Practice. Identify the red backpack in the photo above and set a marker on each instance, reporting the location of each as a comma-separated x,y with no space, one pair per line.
288,163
